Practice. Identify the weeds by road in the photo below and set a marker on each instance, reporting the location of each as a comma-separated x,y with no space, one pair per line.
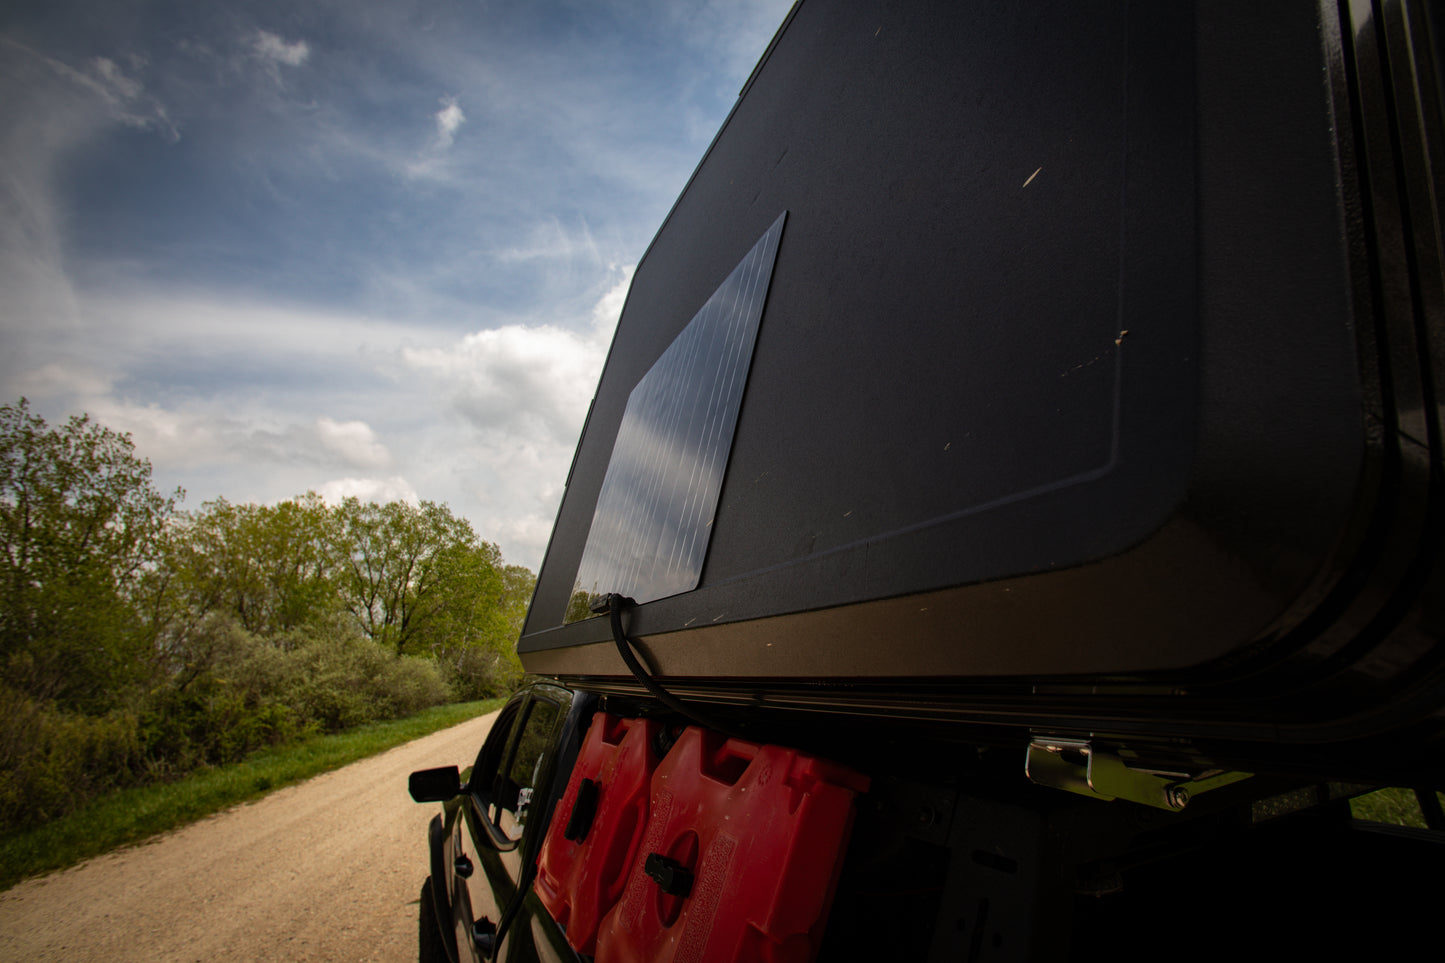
132,815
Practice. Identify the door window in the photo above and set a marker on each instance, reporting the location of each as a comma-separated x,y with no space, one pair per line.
518,780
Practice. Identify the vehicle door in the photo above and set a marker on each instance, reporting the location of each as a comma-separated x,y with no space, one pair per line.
509,796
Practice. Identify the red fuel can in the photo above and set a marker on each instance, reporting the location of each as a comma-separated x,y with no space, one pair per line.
595,833
739,859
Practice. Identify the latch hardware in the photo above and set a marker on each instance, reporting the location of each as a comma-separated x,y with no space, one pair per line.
584,810
1075,765
671,876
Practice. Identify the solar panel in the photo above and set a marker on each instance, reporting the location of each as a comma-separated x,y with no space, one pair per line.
654,515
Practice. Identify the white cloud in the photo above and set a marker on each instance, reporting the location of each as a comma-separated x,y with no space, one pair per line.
485,423
449,119
528,383
52,111
549,240
115,81
201,435
355,442
123,328
522,391
212,450
268,46
392,489
609,307
184,439
435,162
68,108
125,97
524,380
59,381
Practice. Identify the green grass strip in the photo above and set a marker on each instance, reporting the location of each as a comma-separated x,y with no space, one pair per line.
1396,806
131,815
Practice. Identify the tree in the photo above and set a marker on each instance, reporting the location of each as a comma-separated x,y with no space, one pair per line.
269,566
403,566
415,579
80,530
520,583
474,633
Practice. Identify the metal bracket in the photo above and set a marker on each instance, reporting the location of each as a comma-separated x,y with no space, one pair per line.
1075,765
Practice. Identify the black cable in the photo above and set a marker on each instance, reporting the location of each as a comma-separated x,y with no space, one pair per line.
614,604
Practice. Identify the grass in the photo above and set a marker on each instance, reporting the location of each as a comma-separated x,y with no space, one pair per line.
132,815
1396,806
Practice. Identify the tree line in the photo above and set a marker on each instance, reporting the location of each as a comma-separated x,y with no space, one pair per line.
139,640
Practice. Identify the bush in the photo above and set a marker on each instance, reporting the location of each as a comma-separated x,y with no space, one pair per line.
241,691
412,683
221,702
343,680
328,676
333,682
53,760
478,673
211,722
227,693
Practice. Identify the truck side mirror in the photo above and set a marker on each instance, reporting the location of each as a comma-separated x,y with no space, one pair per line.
435,785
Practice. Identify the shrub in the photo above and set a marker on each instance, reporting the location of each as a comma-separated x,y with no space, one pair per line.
52,760
338,678
226,693
211,722
221,702
479,673
332,687
410,684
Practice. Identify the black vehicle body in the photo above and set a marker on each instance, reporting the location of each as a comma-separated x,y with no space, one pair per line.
1049,388
459,913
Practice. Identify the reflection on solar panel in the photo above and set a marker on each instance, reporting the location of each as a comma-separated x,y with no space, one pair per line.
654,515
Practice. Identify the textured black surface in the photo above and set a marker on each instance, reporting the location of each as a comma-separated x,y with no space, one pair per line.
970,232
1100,349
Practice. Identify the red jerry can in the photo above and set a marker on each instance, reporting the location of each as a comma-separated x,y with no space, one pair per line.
740,857
590,845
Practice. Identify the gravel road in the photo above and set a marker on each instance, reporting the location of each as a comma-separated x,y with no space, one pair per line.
326,870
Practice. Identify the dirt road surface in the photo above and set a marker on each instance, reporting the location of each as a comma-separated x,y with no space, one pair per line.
329,869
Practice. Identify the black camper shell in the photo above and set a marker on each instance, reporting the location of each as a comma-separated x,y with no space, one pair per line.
1047,367
1019,398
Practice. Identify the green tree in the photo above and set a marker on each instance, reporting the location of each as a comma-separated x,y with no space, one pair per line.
80,530
269,566
404,566
414,579
520,582
474,634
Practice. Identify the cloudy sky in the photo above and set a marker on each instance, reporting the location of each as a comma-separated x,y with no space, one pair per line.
350,246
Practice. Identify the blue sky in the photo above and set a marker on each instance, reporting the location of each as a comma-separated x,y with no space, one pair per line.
352,247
